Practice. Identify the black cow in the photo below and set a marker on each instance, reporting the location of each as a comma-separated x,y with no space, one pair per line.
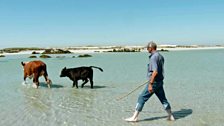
80,73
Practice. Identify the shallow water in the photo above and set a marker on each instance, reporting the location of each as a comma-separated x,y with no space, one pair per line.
193,85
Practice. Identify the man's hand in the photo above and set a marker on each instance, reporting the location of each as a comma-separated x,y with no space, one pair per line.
150,88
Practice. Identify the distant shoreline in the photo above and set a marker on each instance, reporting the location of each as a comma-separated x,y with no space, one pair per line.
105,49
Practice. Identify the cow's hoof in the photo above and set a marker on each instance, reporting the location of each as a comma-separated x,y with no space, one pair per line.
35,86
24,83
49,81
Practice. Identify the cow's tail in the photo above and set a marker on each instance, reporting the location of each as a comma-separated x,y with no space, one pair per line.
22,63
97,68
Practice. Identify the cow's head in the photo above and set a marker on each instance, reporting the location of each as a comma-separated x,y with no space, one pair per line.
64,72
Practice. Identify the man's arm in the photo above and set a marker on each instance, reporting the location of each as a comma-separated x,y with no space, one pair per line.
154,74
151,81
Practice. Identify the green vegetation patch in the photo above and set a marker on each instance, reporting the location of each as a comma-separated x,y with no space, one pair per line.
32,56
45,56
84,56
56,51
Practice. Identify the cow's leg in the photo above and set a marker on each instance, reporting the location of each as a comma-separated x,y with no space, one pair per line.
48,80
85,81
24,79
75,83
91,78
91,81
35,80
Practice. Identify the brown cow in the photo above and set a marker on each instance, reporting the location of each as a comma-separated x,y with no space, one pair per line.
35,69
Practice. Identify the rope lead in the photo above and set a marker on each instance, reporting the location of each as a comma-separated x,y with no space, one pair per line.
119,98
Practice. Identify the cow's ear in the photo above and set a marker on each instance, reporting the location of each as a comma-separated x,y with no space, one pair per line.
22,63
64,68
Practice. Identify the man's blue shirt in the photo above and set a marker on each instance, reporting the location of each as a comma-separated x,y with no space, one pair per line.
156,62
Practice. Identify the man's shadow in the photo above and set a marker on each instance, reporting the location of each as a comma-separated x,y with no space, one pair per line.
182,113
177,115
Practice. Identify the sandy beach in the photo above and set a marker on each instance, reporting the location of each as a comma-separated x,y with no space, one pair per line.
193,48
86,50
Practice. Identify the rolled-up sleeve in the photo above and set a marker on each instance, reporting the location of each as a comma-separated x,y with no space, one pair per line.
154,63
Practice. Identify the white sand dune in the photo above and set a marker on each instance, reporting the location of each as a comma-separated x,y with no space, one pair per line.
85,50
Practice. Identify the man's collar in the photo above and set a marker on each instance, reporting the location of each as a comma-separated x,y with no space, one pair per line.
152,53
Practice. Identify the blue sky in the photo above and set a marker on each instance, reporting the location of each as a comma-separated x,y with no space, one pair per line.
60,23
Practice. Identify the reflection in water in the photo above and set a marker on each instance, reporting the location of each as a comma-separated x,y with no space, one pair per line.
77,98
59,104
36,100
53,85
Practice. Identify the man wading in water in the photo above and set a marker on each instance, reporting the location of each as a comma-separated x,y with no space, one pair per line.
155,75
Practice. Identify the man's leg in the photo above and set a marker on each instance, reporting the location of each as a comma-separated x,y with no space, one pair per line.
143,97
162,97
